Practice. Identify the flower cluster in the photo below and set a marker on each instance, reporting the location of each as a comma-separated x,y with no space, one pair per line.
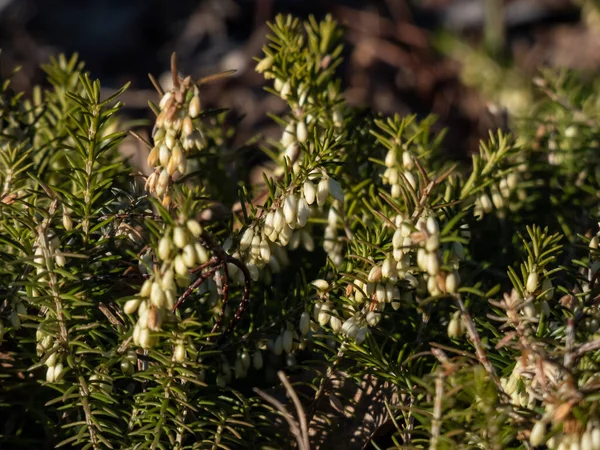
177,134
179,250
396,172
285,225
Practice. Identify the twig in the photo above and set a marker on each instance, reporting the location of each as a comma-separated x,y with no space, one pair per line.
225,298
299,409
300,432
201,279
476,340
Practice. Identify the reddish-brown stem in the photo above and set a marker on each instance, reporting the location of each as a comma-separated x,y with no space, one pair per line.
225,298
201,279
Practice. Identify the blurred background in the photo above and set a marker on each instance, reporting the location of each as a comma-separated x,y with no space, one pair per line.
470,62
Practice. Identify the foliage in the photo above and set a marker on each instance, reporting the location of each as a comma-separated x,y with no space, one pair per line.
155,312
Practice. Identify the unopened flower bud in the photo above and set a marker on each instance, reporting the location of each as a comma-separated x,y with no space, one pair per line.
335,189
131,306
322,191
180,237
301,131
320,284
179,353
194,107
538,434
290,209
309,192
304,325
532,282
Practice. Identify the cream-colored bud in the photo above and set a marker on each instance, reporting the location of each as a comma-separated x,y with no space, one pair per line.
432,243
278,84
596,438
58,371
50,374
169,142
189,255
194,227
146,288
486,203
278,220
432,225
131,306
391,158
187,126
51,360
397,239
165,99
303,212
497,200
157,295
179,353
265,250
407,160
67,222
285,90
201,253
538,434
176,157
164,155
246,239
324,314
309,191
287,341
164,248
380,293
452,282
320,284
335,323
257,360
60,260
181,267
147,340
433,264
180,237
532,282
290,209
375,274
594,242
304,325
268,227
322,191
586,440
285,235
194,107
162,182
455,326
301,131
265,64
412,181
388,268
